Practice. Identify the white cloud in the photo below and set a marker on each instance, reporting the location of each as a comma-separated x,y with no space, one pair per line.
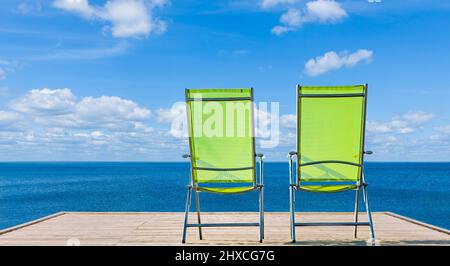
333,61
60,108
178,111
407,137
406,123
175,116
131,18
444,129
45,102
319,11
292,18
8,118
324,11
109,110
29,7
288,121
374,1
279,30
84,53
80,7
417,117
441,135
267,125
273,3
5,67
127,18
84,128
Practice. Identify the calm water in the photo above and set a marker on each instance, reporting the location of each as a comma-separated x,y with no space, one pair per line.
32,190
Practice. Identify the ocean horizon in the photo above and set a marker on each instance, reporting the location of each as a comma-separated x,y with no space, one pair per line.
30,190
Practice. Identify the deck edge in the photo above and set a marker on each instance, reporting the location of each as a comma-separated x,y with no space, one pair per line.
429,226
51,216
193,212
39,220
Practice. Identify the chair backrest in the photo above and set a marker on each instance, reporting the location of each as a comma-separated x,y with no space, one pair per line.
221,135
330,133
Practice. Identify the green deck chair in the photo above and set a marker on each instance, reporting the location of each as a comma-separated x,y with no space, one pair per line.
222,149
330,147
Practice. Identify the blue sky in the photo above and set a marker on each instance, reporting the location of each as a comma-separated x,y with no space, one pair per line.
96,80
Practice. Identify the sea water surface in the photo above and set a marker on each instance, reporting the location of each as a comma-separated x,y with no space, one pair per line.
32,190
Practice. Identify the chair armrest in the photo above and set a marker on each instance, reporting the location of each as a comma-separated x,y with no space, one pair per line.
291,172
259,155
185,156
368,152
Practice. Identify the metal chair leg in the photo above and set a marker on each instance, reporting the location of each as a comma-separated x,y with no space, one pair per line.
369,214
186,214
197,206
261,222
356,213
262,195
292,209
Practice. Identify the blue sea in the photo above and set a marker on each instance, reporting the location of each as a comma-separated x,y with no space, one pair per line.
33,190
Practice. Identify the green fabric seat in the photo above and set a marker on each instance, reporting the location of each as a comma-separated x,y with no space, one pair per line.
328,189
222,149
330,132
221,135
330,145
230,190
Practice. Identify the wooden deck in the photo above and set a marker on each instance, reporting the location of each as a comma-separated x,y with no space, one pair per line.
165,229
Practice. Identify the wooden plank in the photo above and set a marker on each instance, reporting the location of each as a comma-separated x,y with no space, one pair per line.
164,228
